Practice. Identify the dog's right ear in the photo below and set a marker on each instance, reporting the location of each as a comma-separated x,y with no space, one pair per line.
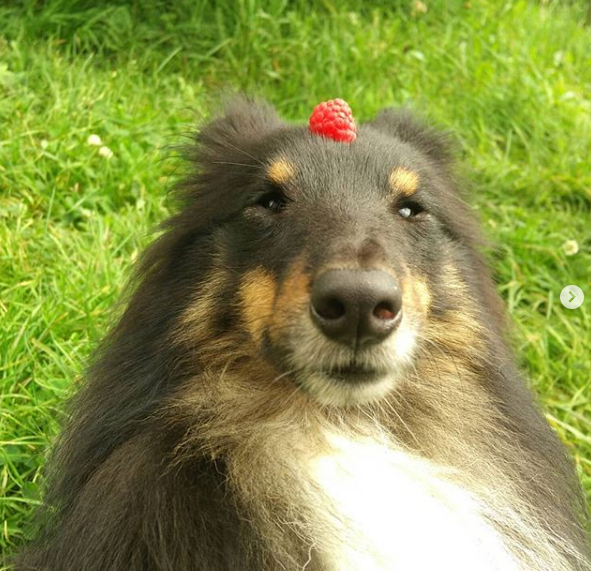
242,123
223,154
221,160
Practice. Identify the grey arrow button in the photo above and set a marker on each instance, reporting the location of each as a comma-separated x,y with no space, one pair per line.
572,297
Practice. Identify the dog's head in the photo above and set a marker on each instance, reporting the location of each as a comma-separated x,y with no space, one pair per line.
330,262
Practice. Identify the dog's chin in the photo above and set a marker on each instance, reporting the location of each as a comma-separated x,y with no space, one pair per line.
346,388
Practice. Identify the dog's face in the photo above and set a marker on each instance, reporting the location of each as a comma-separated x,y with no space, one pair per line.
332,258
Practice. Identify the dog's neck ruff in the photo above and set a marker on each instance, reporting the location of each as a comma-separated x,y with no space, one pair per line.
362,503
395,512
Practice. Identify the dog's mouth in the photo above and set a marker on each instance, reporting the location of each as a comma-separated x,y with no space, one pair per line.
346,385
348,371
336,374
353,373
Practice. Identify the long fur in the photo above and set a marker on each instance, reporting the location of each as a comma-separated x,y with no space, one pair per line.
187,450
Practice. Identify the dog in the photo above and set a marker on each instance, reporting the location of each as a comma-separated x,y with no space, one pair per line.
312,373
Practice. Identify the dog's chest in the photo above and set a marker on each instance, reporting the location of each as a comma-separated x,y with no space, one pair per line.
384,510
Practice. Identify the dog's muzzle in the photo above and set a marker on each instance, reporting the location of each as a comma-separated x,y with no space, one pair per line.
356,307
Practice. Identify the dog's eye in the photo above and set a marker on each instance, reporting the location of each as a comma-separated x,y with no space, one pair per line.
273,201
410,209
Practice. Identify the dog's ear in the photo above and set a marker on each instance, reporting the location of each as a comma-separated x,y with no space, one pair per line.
402,125
221,160
224,154
230,134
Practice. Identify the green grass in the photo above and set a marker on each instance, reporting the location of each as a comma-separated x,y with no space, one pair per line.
511,79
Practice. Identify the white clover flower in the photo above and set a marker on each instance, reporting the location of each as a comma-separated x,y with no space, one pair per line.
94,141
420,7
570,247
106,152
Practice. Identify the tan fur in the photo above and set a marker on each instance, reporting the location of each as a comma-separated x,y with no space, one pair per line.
293,298
280,171
257,296
195,321
453,281
459,330
464,423
416,295
404,181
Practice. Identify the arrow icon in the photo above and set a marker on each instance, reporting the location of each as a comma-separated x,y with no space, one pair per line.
572,297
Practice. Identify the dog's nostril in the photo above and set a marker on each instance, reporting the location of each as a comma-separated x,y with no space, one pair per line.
329,308
384,311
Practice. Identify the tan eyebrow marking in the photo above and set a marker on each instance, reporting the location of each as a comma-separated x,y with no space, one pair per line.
280,171
404,181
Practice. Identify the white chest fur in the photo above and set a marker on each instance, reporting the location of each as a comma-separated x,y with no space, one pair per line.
390,511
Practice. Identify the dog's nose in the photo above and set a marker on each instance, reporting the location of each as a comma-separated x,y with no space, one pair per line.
356,307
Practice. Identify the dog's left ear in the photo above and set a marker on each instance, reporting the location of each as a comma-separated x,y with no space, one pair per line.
402,125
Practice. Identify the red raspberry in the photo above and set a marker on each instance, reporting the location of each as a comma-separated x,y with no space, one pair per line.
334,119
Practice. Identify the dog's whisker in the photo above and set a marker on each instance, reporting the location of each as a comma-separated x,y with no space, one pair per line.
244,152
234,164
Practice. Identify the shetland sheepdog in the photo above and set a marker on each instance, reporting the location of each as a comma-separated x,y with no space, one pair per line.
312,373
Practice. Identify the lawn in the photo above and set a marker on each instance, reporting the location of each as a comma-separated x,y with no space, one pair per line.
510,79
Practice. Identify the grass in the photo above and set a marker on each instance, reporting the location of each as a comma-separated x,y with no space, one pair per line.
511,79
